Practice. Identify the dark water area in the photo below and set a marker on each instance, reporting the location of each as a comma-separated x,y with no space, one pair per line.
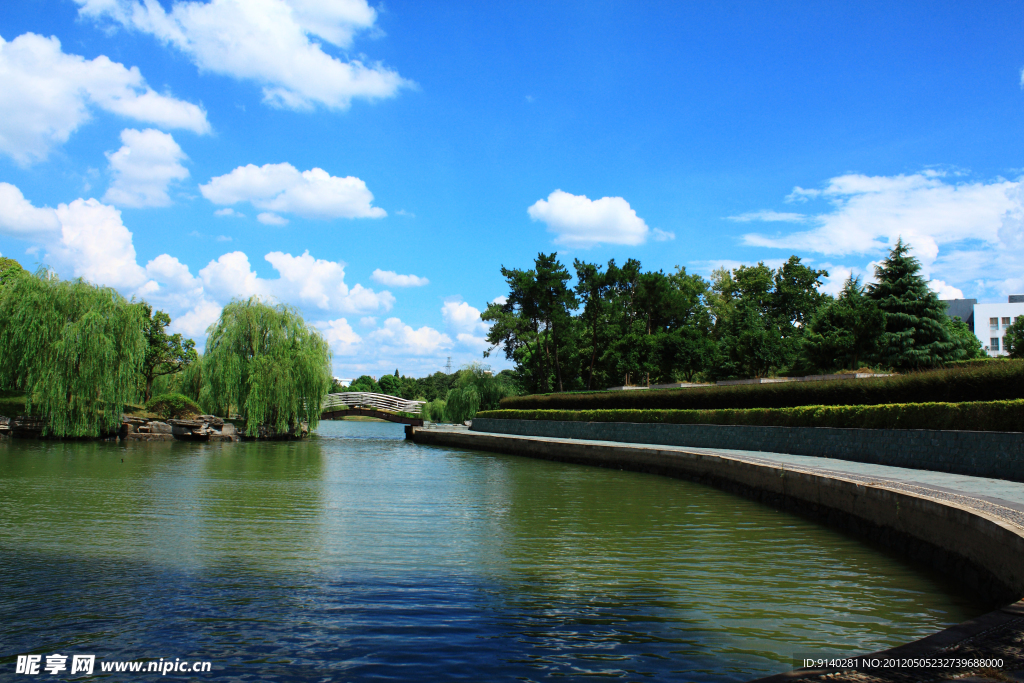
359,556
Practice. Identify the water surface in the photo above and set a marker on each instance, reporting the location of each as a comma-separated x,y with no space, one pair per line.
359,556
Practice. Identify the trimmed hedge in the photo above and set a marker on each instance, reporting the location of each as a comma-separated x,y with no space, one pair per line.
980,382
977,416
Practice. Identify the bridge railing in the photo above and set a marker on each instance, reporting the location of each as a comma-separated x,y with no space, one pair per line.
354,399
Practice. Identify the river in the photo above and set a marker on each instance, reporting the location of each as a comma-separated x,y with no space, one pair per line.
357,555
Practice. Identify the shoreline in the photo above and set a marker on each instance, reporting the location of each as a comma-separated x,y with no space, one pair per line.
972,538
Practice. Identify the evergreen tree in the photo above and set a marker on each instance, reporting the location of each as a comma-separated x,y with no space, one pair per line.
916,334
844,333
75,349
266,362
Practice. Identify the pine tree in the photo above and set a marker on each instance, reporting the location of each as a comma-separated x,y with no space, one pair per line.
916,334
844,333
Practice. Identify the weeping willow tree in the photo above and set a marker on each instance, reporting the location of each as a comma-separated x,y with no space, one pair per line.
75,350
265,361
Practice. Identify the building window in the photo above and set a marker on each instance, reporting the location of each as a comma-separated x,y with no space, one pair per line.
993,323
995,343
1006,323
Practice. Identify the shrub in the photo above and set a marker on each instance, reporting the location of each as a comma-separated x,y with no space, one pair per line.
975,416
974,381
173,406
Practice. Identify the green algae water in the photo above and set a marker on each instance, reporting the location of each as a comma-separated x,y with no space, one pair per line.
357,556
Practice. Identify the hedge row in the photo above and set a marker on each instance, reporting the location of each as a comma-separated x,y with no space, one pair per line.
976,416
962,383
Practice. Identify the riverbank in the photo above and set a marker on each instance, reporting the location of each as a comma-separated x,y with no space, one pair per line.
969,527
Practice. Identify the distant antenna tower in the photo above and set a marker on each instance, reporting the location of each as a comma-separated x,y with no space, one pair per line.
448,367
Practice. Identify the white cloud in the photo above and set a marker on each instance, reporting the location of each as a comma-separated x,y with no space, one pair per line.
303,280
390,278
660,235
962,232
266,41
282,188
339,334
224,213
18,218
579,222
395,337
461,317
146,164
464,322
96,245
945,291
502,300
47,94
268,218
769,216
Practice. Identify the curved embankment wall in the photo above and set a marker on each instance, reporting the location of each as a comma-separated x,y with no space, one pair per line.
998,455
973,540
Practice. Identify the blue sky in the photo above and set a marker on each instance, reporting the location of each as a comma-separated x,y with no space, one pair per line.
376,164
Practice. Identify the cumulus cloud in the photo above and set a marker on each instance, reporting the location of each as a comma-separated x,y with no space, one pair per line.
303,280
390,278
146,164
96,245
580,222
461,317
224,213
281,188
395,337
266,41
963,232
19,218
945,291
47,94
339,334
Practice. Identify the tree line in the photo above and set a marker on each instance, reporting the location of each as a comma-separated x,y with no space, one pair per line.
81,353
619,325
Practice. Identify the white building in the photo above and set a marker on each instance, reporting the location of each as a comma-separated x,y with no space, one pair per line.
991,321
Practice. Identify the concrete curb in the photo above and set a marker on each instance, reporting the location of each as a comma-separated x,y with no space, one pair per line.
977,543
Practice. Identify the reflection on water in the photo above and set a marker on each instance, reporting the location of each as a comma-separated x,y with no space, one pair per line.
357,555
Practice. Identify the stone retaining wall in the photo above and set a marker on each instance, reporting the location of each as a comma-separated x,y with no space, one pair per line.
999,455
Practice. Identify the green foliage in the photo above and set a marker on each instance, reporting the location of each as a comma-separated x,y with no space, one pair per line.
391,385
761,315
959,383
980,416
166,354
965,340
365,383
916,335
844,332
173,406
433,410
75,349
1013,338
489,388
10,270
268,363
461,405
